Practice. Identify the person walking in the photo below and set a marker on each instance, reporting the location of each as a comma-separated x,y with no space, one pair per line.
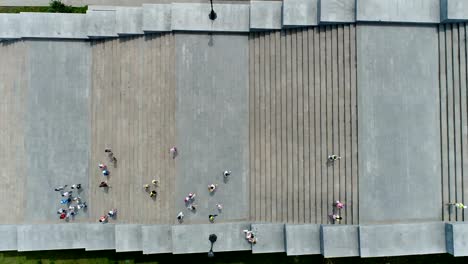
112,213
212,218
67,194
155,182
180,217
153,193
338,205
226,174
103,185
76,186
60,188
102,166
219,207
173,151
212,187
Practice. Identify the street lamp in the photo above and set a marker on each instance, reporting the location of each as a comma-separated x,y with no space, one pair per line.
212,14
212,239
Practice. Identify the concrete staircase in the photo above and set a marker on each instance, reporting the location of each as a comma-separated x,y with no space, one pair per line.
305,239
115,21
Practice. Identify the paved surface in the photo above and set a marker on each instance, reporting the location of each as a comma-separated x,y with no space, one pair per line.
104,2
453,117
156,239
399,133
400,11
212,125
302,239
402,239
9,237
194,238
100,236
133,111
56,133
302,109
128,238
339,241
51,237
13,88
270,238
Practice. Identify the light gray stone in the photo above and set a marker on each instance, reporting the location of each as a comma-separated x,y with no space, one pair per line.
100,237
339,241
51,237
8,235
194,17
157,17
57,124
157,239
128,238
399,11
454,10
194,238
399,141
337,11
53,25
129,20
101,24
457,238
101,8
10,27
402,239
300,13
270,238
302,239
265,14
212,105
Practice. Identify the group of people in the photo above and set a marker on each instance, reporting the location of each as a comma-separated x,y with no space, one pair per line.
189,200
152,193
111,214
70,205
335,217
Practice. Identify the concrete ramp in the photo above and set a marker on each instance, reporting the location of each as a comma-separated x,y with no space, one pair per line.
8,235
100,237
194,238
270,238
128,238
157,239
302,240
402,239
51,237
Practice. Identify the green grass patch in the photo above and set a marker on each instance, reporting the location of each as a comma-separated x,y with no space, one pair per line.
55,6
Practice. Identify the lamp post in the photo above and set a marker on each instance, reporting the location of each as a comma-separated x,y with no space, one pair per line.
212,239
212,14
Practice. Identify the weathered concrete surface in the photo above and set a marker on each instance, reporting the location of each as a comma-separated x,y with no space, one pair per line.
300,13
51,237
8,241
129,20
101,24
194,17
212,106
339,241
53,25
157,239
302,239
133,112
56,124
400,11
399,143
10,27
14,76
100,236
157,18
102,2
457,238
265,14
270,238
402,239
337,11
128,238
453,10
194,238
